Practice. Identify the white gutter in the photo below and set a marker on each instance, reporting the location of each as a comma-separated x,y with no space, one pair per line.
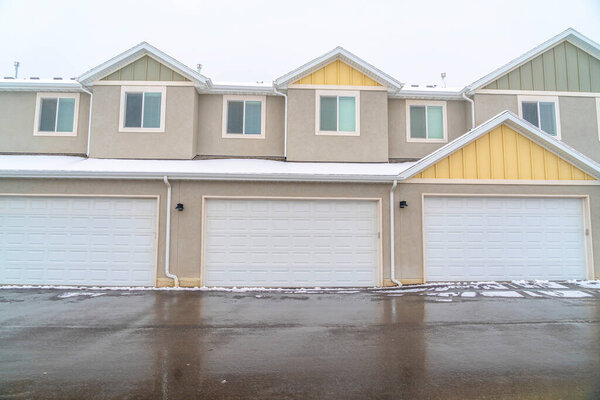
467,98
89,132
392,239
168,235
285,124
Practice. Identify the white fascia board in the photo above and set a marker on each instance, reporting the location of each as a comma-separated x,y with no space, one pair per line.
345,56
135,53
45,174
239,89
521,126
34,85
570,35
427,95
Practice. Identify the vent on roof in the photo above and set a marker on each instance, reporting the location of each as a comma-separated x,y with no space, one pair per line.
414,85
34,77
57,78
431,86
9,77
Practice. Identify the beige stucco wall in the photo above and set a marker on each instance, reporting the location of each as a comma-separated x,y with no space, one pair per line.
579,125
17,115
578,118
304,145
210,130
409,223
458,117
176,142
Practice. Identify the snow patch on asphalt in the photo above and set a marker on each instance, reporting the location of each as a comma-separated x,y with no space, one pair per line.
586,284
496,293
571,294
76,294
468,294
532,294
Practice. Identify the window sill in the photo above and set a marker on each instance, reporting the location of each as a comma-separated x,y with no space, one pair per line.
142,130
336,133
67,134
242,136
412,140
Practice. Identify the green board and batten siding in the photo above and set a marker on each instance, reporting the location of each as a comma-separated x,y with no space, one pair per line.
563,68
145,69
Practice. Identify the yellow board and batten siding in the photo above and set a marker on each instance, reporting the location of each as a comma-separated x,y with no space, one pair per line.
145,69
504,154
337,73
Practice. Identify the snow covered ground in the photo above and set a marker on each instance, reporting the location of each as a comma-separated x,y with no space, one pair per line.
445,292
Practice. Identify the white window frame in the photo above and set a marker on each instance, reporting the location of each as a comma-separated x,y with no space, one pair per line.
598,115
426,103
337,93
38,113
543,99
137,89
244,135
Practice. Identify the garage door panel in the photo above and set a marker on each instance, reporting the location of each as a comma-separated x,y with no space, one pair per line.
77,240
522,238
290,243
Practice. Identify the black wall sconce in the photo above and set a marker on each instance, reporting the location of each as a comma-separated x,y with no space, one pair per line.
179,207
403,204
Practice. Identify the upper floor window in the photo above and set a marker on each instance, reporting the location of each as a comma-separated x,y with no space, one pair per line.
426,121
142,109
338,112
542,112
244,117
56,114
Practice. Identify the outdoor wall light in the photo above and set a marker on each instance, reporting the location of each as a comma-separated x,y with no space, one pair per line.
403,204
179,207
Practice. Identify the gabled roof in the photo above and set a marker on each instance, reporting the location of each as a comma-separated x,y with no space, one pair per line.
135,53
584,43
339,53
521,126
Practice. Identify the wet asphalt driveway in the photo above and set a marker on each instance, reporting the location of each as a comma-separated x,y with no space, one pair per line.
522,340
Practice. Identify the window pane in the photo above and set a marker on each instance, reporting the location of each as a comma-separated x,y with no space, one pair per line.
435,122
328,113
235,115
253,117
417,122
48,115
548,118
152,110
530,112
133,110
66,111
348,114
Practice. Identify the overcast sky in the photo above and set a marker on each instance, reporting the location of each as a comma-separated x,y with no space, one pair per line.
248,41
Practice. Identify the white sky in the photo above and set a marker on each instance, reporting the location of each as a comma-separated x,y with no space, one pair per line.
247,41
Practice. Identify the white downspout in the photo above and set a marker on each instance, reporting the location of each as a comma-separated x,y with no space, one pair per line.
168,236
285,117
392,239
472,110
89,132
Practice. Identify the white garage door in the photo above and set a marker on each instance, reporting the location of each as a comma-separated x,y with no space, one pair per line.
291,243
503,238
77,241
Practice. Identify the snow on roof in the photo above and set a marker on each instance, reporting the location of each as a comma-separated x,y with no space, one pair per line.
218,169
36,84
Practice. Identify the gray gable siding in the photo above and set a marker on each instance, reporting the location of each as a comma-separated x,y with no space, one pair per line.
564,68
145,69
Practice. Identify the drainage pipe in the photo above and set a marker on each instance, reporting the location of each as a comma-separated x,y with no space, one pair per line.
392,239
87,152
285,118
168,236
467,98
